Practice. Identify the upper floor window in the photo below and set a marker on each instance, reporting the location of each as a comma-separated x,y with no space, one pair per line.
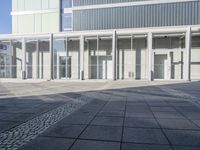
66,4
67,22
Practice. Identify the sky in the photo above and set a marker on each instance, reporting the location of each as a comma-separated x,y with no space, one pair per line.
5,17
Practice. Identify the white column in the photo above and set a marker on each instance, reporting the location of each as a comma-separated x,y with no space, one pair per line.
24,59
81,57
38,67
51,57
66,48
114,47
187,54
150,57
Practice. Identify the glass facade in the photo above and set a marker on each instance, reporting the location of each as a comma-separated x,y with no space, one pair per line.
66,58
67,21
66,4
67,15
90,56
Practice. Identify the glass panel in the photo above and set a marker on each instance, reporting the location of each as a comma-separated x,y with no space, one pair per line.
195,58
73,58
168,42
124,57
5,59
66,4
176,64
66,58
44,67
105,58
67,21
17,60
31,59
11,59
59,47
139,49
91,54
160,66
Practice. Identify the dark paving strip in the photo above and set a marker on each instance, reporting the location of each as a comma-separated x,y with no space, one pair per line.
123,125
160,126
89,124
22,134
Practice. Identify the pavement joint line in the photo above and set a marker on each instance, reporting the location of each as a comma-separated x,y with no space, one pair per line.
24,133
90,121
162,130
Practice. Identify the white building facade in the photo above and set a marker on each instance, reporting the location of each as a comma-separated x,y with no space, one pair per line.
102,40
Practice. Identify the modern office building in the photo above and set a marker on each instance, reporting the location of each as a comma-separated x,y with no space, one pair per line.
102,39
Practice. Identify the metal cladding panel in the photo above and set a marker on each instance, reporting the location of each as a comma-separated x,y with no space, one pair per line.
157,15
96,2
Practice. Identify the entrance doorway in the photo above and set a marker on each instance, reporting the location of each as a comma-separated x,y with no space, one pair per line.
168,64
160,66
64,67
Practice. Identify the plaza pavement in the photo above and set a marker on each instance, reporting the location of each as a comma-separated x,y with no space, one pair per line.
100,115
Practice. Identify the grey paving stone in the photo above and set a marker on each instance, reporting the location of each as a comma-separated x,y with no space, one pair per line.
5,125
77,119
15,116
95,145
133,109
46,143
185,148
140,122
111,113
130,146
108,121
177,124
139,135
183,137
160,109
158,103
168,114
102,133
67,131
139,114
197,122
192,115
188,109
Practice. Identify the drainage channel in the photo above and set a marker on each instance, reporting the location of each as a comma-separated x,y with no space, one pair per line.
24,133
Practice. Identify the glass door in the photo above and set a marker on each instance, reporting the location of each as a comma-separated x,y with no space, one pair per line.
161,66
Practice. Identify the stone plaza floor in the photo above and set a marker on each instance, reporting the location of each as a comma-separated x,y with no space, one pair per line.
100,115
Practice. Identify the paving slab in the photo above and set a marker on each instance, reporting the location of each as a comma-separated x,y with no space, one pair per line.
65,131
108,121
141,135
183,137
140,122
102,133
177,124
95,145
47,143
130,146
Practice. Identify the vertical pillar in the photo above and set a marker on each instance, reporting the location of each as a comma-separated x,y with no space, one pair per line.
150,57
37,60
66,48
114,47
23,59
81,57
97,53
51,57
187,54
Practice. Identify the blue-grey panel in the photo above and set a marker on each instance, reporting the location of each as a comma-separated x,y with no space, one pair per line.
174,14
96,2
